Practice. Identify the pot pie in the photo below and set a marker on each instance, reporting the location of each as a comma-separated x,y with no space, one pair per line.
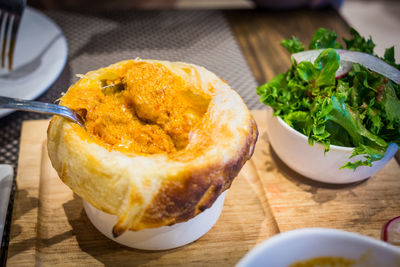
163,140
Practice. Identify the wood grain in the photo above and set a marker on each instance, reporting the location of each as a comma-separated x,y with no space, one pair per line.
298,202
260,32
50,226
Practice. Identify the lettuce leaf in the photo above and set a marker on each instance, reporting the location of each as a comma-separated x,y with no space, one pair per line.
324,38
293,45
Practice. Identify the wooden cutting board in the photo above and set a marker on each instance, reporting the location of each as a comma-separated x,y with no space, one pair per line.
298,202
50,227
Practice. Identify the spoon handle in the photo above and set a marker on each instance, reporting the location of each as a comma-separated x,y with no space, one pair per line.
40,107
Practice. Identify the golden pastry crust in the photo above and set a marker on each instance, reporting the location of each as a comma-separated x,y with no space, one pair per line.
154,187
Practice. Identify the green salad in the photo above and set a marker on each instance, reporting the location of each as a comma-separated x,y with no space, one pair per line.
360,109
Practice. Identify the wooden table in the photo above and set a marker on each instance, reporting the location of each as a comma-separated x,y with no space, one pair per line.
260,32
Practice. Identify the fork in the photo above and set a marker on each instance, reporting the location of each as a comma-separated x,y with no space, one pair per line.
10,15
41,107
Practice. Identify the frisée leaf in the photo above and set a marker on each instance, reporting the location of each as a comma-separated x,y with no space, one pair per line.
358,43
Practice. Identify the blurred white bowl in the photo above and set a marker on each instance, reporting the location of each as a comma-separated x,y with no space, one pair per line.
6,178
305,244
165,237
293,149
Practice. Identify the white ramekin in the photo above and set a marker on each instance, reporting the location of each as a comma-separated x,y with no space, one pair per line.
305,244
165,237
293,149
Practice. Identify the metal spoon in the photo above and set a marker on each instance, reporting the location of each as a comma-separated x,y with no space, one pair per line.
41,107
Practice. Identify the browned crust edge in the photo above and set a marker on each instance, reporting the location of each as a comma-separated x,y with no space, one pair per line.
196,190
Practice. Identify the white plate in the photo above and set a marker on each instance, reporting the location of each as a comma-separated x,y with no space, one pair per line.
39,57
6,175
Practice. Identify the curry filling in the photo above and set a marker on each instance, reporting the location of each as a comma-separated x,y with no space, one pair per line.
139,107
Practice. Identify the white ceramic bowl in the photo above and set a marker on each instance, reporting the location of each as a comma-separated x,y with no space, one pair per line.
301,245
293,149
165,237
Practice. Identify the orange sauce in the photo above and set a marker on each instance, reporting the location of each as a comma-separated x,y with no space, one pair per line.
139,108
325,262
